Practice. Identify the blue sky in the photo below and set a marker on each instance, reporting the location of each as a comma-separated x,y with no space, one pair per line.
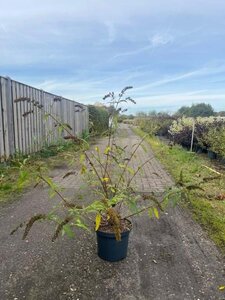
171,52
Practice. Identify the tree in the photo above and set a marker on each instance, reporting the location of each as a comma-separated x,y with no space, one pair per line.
221,113
196,110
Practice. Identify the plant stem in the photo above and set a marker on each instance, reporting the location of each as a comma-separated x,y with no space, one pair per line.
97,174
68,204
126,165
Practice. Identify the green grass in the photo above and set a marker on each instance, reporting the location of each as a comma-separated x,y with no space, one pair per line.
47,158
205,208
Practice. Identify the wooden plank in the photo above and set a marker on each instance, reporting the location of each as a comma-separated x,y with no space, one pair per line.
29,119
32,120
7,117
72,116
15,114
26,120
45,120
19,119
54,123
38,120
76,114
2,146
48,121
22,111
35,120
22,130
42,119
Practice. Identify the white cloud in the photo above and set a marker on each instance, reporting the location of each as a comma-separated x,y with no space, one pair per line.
179,99
204,71
158,40
111,28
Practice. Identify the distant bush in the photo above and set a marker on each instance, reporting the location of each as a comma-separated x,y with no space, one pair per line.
209,133
129,121
124,118
148,125
98,120
157,124
215,138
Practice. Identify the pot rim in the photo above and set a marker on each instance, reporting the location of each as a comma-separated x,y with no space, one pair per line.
112,234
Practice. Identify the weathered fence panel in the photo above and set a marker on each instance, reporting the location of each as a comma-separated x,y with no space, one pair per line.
24,125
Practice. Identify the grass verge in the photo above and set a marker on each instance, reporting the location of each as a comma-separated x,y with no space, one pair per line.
47,159
208,207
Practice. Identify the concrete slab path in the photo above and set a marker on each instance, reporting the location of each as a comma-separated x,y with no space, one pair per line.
169,258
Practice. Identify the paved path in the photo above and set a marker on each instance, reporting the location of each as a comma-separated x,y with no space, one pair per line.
170,258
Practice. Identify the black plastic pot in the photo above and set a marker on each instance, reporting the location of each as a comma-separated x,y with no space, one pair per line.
109,248
198,149
211,154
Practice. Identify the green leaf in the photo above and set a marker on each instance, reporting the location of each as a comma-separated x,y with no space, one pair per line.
133,205
144,148
130,170
81,224
46,116
150,212
67,229
60,129
112,189
122,166
51,193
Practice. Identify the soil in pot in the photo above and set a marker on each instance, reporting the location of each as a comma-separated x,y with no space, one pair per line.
108,247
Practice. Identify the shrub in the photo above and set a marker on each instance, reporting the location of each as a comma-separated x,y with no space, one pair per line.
215,138
157,124
98,120
205,131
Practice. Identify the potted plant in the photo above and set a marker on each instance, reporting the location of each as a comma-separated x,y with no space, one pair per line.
110,177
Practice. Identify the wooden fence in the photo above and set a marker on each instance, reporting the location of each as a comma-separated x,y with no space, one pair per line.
25,123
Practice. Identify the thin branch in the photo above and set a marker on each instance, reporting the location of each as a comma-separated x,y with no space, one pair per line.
97,174
138,212
138,169
128,161
67,203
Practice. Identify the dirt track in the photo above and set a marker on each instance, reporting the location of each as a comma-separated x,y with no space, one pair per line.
169,258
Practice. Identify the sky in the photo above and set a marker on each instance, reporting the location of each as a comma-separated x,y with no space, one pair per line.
171,52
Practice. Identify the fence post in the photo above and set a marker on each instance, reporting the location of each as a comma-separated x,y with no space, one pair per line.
8,120
192,135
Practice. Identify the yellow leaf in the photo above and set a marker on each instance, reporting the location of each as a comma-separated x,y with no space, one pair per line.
105,179
156,212
97,149
107,149
97,221
83,170
222,287
82,158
